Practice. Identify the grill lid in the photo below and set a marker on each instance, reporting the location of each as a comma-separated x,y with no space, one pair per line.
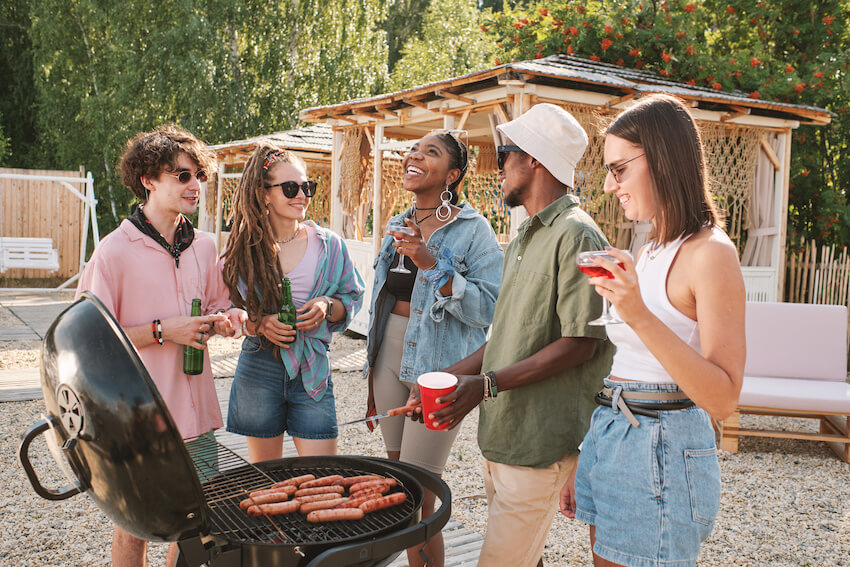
117,434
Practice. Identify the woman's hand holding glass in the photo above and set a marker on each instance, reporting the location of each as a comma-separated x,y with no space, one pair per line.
275,331
410,243
620,285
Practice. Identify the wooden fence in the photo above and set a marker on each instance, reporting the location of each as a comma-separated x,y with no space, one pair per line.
818,274
43,209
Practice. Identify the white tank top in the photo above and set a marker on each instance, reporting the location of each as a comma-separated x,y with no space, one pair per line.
633,361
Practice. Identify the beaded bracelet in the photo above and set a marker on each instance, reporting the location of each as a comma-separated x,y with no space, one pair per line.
157,331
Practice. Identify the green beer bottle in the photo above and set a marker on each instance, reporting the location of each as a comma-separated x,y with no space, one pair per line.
193,358
287,308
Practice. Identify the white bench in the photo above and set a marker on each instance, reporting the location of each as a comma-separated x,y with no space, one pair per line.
796,367
28,253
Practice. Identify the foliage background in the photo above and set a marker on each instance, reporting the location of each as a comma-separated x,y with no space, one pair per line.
82,76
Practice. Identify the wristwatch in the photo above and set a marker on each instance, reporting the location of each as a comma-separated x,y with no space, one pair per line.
330,307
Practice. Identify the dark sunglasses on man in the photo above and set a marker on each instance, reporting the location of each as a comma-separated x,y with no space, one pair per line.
502,154
290,188
185,176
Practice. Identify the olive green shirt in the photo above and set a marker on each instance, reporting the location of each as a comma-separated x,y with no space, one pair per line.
544,297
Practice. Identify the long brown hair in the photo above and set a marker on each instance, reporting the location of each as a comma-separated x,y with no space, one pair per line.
251,252
662,126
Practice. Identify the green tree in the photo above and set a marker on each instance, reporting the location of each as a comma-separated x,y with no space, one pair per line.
403,22
794,51
17,92
222,69
452,43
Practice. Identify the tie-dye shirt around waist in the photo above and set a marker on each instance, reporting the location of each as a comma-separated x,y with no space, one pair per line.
336,277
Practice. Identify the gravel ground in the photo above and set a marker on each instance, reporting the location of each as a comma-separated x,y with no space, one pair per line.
785,502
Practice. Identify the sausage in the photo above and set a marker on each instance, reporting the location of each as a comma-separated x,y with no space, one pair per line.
335,515
323,481
319,497
289,490
379,489
333,488
264,499
371,483
349,480
355,502
393,499
322,505
274,509
294,481
403,409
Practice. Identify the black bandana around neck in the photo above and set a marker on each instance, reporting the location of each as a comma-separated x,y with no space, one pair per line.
183,235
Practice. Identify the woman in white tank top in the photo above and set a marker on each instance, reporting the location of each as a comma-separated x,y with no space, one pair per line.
649,485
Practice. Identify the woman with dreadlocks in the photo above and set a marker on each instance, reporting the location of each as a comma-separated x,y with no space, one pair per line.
283,377
435,315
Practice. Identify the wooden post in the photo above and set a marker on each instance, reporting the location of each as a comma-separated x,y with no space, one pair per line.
782,208
218,197
377,188
336,182
729,439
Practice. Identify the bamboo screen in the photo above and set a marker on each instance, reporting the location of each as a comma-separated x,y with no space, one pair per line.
731,155
43,209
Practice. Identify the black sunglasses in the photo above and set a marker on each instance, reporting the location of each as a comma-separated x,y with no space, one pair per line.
185,176
502,154
290,188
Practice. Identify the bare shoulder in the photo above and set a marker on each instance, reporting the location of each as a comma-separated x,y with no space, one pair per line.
710,248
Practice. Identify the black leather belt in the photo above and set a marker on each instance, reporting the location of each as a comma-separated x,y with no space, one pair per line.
642,403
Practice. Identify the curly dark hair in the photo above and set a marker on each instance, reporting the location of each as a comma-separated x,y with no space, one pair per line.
149,153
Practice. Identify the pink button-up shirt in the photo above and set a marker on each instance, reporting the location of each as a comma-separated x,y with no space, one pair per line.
138,281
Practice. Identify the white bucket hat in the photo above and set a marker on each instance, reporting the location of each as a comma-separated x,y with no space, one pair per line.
551,135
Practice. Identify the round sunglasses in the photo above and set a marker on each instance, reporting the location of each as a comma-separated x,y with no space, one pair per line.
185,176
290,188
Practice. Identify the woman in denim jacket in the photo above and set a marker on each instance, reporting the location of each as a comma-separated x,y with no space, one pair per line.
437,314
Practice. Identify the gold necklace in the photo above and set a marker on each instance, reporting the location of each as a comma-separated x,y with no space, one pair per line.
291,238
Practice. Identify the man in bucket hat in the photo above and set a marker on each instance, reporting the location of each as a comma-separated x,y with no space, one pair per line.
543,364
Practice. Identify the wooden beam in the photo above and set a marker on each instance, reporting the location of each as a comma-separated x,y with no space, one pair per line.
343,118
386,111
464,118
447,94
502,113
771,155
367,114
738,112
619,100
416,103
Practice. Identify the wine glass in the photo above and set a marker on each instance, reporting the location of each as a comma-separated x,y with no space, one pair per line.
400,269
585,263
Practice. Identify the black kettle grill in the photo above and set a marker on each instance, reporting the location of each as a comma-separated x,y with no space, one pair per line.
123,449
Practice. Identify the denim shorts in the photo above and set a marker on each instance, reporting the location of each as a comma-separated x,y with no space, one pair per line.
651,491
265,402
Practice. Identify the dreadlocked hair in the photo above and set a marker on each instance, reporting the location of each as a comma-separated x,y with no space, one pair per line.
252,253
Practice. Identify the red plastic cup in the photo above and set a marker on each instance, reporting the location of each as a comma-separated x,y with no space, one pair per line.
432,385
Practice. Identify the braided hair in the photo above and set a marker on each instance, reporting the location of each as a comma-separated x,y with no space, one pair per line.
460,160
251,251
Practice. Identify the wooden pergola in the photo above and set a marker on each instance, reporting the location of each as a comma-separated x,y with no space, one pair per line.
748,147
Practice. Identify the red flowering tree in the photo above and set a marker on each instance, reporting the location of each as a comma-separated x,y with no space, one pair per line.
784,50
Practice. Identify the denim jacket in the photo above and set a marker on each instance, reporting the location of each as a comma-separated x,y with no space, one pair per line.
442,330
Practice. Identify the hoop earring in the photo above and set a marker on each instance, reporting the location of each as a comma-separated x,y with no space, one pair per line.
444,211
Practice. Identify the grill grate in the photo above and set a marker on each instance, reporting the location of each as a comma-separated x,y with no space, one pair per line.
227,479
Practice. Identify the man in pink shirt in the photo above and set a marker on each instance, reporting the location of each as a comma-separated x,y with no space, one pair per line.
148,271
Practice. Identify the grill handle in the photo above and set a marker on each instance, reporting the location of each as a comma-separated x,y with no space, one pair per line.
359,552
23,456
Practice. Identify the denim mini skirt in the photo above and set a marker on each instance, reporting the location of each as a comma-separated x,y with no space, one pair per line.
652,491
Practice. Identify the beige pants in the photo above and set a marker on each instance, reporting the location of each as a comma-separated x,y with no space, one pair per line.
521,502
417,444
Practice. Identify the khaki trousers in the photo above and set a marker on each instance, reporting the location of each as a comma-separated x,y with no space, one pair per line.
521,502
